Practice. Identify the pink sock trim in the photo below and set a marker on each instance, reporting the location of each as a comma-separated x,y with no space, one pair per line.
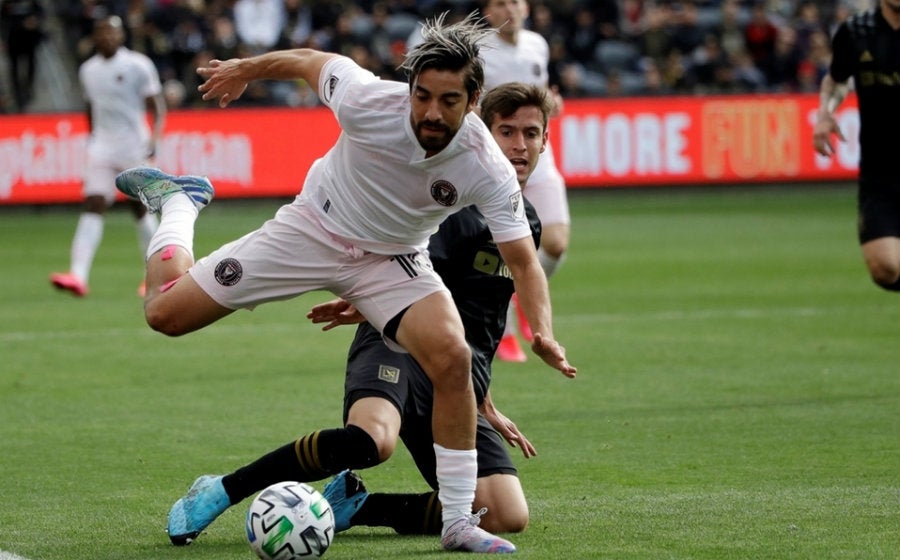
168,252
167,285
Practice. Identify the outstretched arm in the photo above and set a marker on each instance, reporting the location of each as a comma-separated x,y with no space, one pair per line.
831,95
506,427
226,80
534,297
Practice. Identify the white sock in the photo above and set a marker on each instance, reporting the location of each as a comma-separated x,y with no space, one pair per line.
549,263
176,225
146,227
88,234
457,473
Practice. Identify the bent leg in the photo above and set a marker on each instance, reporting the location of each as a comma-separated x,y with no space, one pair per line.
504,499
179,308
432,332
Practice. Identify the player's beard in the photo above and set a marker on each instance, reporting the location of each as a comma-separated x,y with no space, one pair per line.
436,137
893,5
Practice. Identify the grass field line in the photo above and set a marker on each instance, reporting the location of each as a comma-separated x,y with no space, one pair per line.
570,318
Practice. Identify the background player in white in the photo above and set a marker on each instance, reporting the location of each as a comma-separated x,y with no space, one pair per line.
408,156
516,54
120,88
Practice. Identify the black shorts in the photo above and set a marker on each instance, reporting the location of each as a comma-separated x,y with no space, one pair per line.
374,370
879,209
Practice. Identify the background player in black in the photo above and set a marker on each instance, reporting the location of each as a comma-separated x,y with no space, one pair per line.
388,396
866,47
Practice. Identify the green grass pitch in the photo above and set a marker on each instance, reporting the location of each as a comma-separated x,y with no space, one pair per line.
738,394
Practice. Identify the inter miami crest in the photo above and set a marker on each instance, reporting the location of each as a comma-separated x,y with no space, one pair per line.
444,193
229,272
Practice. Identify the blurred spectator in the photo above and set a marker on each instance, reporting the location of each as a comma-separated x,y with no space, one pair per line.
21,27
707,61
583,38
259,23
298,28
224,42
652,83
781,68
655,38
730,29
747,74
686,34
631,15
807,23
544,23
571,81
760,34
677,74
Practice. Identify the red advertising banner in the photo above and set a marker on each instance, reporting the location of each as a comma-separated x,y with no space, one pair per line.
699,140
245,152
597,143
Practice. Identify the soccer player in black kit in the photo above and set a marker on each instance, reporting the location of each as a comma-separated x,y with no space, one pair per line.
388,396
866,47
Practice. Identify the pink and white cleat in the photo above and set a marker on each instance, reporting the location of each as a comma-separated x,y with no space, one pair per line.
464,535
69,282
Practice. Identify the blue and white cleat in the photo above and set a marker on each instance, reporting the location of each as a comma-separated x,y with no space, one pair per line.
465,535
346,493
193,512
153,187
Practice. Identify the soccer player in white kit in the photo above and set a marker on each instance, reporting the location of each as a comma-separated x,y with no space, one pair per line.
408,156
516,54
120,88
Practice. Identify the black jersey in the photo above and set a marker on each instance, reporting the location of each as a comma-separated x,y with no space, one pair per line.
867,49
464,254
467,259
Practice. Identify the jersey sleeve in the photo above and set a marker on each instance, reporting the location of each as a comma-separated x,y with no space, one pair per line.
150,85
339,76
843,59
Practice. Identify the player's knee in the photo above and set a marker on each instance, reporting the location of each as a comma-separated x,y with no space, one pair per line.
450,368
885,274
161,319
555,247
505,519
384,439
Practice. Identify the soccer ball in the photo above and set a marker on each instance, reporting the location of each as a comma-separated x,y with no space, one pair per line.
290,520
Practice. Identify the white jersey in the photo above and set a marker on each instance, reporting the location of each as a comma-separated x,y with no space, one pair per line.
375,187
526,61
116,89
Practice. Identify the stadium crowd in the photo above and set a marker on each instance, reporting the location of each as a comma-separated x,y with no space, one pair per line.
598,48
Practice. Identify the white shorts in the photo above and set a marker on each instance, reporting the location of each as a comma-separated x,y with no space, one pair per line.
546,191
100,176
292,254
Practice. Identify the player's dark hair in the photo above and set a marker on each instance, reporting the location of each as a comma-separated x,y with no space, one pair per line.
449,47
506,99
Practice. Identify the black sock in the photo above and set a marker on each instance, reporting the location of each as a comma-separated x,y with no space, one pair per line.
313,457
408,514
